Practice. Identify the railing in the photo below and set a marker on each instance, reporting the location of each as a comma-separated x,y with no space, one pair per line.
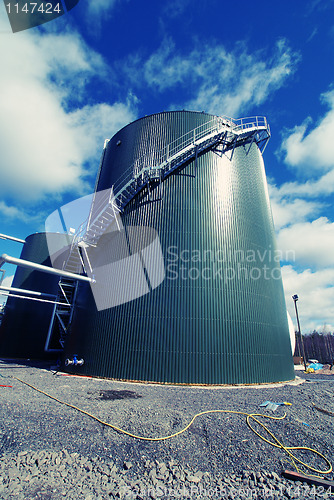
137,172
100,201
79,234
218,123
171,149
251,122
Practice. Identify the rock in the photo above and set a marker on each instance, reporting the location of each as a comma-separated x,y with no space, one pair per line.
193,479
13,472
275,476
152,473
162,468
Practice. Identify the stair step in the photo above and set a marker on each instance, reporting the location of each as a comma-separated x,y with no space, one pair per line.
73,262
73,265
102,221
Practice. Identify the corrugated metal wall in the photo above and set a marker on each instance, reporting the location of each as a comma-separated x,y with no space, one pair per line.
219,317
25,324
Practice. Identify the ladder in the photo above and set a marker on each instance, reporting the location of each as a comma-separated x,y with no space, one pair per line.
64,304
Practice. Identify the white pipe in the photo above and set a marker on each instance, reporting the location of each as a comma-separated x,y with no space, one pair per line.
39,267
6,237
27,292
75,361
33,298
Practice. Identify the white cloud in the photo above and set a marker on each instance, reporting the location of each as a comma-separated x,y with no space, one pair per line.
162,70
314,149
93,122
11,212
324,328
287,210
214,79
316,296
310,152
312,188
312,242
175,8
47,136
251,83
98,11
97,7
296,206
320,5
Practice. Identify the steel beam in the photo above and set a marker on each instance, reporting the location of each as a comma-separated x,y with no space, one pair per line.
27,292
6,237
39,267
27,297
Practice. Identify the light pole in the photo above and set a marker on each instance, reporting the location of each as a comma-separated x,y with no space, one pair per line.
295,298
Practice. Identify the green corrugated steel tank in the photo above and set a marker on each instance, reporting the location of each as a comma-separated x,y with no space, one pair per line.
219,316
25,325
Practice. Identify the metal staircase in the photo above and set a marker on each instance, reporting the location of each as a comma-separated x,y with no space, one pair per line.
221,135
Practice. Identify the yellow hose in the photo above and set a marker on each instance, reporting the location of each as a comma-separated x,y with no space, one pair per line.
249,416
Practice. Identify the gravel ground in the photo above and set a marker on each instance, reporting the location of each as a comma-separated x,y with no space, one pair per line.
51,451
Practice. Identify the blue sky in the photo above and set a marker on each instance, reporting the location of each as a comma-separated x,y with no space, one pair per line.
71,83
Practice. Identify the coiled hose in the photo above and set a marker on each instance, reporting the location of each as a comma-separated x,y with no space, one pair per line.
249,417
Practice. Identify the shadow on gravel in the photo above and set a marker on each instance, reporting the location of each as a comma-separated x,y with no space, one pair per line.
8,441
42,494
23,363
113,395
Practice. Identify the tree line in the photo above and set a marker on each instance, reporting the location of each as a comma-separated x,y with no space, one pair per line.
317,345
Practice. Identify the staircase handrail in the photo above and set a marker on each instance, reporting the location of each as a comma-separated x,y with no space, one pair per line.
76,239
193,137
217,123
168,155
